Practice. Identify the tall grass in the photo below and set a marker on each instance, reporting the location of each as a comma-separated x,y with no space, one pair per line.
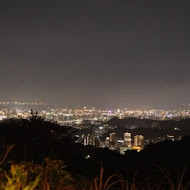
176,184
52,175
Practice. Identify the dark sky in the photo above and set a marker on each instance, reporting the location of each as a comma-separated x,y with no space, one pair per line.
106,53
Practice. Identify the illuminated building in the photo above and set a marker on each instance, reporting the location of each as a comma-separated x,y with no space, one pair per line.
112,140
139,140
107,142
123,149
137,148
136,140
87,140
112,137
163,115
119,143
127,139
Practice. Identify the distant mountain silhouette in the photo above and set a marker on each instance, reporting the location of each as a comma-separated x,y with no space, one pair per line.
149,128
145,123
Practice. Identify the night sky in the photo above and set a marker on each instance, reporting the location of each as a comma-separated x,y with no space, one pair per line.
106,53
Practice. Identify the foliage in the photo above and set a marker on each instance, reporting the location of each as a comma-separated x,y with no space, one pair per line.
51,174
17,179
113,182
55,175
8,149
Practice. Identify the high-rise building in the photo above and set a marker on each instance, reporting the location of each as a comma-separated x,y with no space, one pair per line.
87,140
112,140
127,139
139,140
96,142
107,142
136,140
112,137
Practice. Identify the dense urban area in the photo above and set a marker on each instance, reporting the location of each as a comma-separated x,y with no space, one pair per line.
101,128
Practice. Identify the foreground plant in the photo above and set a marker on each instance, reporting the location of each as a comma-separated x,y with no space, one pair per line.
178,184
55,175
112,182
51,175
8,149
17,179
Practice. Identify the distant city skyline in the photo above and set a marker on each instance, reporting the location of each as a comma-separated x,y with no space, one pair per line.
107,54
40,105
108,106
